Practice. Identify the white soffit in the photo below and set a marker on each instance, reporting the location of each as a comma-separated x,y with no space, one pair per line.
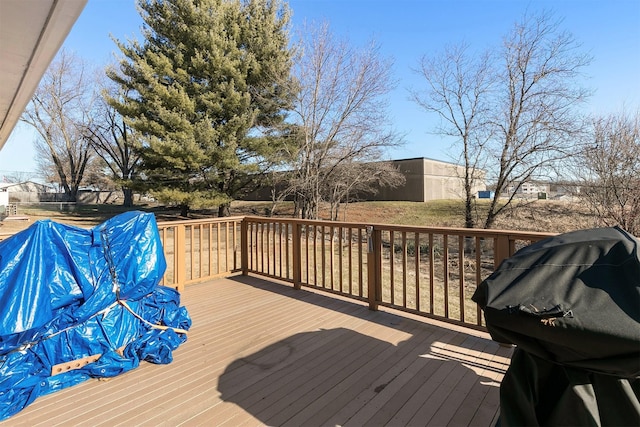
31,32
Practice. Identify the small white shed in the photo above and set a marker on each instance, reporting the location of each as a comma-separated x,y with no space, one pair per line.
4,197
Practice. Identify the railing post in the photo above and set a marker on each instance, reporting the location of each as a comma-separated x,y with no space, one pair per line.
244,247
374,266
180,255
297,254
501,249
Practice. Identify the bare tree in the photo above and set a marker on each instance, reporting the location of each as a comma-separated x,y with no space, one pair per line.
458,90
340,110
59,111
536,118
608,169
115,143
354,180
17,176
521,125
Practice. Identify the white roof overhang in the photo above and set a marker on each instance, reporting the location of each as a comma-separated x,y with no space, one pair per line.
31,32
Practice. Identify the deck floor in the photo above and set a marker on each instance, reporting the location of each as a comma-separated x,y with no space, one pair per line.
262,353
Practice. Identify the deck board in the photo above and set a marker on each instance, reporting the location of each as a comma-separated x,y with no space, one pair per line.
263,353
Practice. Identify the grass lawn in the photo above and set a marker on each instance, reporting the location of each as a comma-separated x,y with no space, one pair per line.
541,215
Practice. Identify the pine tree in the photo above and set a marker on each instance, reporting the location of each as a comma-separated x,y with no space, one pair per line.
204,87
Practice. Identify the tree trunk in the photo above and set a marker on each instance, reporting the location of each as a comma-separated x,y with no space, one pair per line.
72,195
468,211
224,210
491,219
296,206
128,197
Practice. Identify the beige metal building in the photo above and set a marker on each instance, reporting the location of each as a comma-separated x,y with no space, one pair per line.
428,179
425,179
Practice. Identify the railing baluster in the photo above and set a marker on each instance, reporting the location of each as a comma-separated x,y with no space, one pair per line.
431,273
445,263
272,241
404,269
273,248
350,264
306,250
286,246
280,245
416,243
180,264
266,248
392,266
340,264
374,266
253,243
461,299
245,244
323,257
191,239
209,254
262,244
218,255
331,253
501,249
163,239
478,276
297,255
360,264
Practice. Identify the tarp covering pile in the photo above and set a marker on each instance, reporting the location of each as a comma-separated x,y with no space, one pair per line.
571,305
78,304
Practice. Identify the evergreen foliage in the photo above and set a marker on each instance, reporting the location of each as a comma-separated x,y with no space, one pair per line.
205,88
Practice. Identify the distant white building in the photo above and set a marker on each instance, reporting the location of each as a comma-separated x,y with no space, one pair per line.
25,192
529,188
534,188
26,187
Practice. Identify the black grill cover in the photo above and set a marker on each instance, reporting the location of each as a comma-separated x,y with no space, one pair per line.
571,304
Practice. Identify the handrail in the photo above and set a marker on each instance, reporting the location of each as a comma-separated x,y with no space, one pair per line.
452,230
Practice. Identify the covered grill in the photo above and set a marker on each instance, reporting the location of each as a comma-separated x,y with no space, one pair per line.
571,305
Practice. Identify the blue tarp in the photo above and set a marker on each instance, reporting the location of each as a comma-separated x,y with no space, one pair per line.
78,304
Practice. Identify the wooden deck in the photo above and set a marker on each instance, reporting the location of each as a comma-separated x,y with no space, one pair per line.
262,353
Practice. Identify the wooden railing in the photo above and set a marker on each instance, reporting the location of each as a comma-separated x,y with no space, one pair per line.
427,271
198,250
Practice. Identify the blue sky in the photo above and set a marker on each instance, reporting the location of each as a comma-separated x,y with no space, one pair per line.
406,29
